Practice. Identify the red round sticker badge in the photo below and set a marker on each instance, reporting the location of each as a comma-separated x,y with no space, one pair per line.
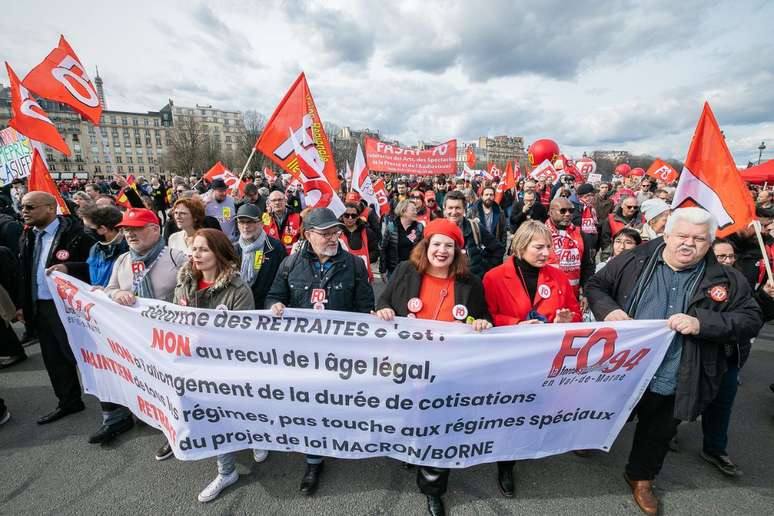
460,312
718,293
414,305
319,306
62,254
544,291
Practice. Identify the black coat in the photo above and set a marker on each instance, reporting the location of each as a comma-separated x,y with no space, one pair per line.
485,254
722,324
388,253
536,212
498,218
405,283
274,253
346,282
69,237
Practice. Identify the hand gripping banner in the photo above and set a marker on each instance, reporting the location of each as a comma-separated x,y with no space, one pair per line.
353,386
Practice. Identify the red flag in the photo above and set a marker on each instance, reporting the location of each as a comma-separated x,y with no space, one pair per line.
317,190
269,174
381,196
545,171
219,170
711,180
122,199
62,77
661,171
506,183
361,180
40,181
470,156
29,119
297,112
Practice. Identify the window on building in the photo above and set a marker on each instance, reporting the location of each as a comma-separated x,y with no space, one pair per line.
124,121
49,157
137,132
80,167
93,139
120,169
140,160
131,169
97,169
137,141
116,144
158,141
103,132
52,166
112,120
75,137
119,159
147,141
135,121
142,170
78,158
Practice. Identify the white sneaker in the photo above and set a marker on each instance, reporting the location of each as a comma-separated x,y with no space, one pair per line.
260,455
220,483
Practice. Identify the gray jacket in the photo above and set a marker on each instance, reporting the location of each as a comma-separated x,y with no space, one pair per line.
163,273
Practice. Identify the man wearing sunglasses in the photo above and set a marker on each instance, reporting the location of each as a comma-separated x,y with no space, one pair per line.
51,243
572,252
323,276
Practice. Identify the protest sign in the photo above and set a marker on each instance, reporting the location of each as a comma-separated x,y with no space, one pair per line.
385,157
545,171
352,386
15,156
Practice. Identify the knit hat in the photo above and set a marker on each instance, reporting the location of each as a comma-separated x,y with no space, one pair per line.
447,228
652,208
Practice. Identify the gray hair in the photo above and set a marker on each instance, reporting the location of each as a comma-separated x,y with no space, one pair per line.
401,207
80,194
696,216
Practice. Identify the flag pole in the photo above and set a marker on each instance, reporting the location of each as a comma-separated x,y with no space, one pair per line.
757,225
244,169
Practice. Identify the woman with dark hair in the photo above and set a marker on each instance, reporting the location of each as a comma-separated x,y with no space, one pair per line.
627,238
359,239
211,280
188,214
435,284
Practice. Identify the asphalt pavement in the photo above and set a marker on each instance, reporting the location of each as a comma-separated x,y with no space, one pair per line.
53,470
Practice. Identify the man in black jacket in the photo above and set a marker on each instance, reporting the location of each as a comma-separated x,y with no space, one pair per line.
261,254
483,249
320,275
706,304
530,208
52,243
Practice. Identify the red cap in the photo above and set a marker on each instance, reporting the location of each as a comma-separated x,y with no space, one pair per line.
447,228
137,218
352,197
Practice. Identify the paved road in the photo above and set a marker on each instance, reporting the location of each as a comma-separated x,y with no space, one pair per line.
53,470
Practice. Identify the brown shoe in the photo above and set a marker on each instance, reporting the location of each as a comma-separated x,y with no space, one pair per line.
642,490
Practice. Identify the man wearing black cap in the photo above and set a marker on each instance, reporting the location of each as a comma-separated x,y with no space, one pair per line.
252,196
332,279
261,254
221,206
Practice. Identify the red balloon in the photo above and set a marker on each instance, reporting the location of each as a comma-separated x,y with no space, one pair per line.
637,172
542,150
623,170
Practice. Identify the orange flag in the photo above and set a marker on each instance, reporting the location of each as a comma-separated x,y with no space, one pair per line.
381,196
297,112
470,157
661,171
711,180
507,182
40,181
29,118
61,77
219,170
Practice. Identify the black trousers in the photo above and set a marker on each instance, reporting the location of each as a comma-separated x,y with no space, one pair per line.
432,481
656,426
9,342
57,355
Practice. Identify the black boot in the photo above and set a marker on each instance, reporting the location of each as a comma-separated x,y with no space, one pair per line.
435,506
107,433
311,479
505,479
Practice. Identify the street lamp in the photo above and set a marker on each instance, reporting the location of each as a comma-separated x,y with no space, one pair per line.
761,147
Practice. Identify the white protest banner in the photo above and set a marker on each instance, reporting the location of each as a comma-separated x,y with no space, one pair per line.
353,386
594,178
15,155
545,171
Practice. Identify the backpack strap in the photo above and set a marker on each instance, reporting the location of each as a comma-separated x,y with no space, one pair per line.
476,233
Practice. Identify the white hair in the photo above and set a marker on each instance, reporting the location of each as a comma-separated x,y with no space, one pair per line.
696,216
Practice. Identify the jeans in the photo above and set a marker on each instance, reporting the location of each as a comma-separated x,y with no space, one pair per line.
656,426
717,416
226,463
113,413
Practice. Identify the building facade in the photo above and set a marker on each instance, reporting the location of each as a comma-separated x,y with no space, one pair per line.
225,127
612,155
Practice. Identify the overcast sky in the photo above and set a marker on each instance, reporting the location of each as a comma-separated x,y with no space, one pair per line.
591,75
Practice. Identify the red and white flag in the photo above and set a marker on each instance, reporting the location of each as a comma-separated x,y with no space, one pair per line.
662,171
381,196
470,157
269,174
318,192
361,181
29,119
219,171
62,77
297,111
507,182
40,181
545,171
711,180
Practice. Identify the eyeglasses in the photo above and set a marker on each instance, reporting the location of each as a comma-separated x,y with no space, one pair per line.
629,207
418,197
349,216
625,241
565,211
328,236
725,257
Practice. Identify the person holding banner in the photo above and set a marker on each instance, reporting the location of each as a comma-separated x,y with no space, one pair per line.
211,279
436,284
709,306
358,237
323,276
148,270
51,243
261,254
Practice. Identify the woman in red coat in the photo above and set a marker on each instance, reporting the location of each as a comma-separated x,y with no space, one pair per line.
526,290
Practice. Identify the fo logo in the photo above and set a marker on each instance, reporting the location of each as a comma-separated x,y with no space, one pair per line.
590,338
67,291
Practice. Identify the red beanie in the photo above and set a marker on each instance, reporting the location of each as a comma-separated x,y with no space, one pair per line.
447,228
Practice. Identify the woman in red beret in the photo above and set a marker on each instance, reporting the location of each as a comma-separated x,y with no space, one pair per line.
435,283
526,290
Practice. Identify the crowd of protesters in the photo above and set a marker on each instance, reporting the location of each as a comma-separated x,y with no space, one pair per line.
446,251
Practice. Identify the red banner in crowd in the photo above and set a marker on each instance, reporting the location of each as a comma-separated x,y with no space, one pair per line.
661,171
40,181
297,112
384,157
381,196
